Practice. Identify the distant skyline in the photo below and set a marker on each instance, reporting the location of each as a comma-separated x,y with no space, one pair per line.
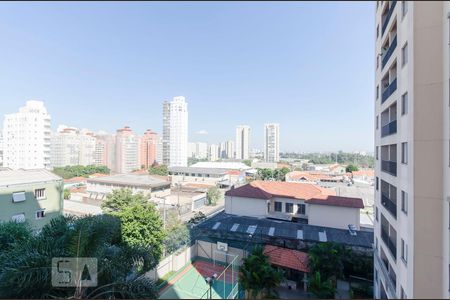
101,66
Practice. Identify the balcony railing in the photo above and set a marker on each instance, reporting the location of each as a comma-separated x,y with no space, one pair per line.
387,241
391,284
388,17
389,167
389,205
389,90
389,128
389,52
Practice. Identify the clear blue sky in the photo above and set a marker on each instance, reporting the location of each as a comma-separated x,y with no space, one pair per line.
307,66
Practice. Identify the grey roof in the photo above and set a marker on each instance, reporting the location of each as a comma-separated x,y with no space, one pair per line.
146,181
286,230
211,171
18,177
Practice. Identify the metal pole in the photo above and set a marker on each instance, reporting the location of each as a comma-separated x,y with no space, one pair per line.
164,212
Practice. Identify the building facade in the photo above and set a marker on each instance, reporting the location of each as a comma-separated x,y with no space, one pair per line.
27,137
148,149
34,196
242,142
272,142
127,151
213,154
411,150
175,132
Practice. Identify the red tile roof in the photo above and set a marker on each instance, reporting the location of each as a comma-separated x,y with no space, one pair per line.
337,201
368,173
287,258
268,189
75,179
311,193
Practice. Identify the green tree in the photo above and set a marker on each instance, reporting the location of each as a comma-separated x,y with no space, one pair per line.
176,237
25,266
83,171
327,259
351,168
158,170
321,289
264,174
142,226
258,278
248,162
66,194
120,199
213,195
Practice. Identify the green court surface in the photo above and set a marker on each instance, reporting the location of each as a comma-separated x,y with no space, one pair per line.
189,283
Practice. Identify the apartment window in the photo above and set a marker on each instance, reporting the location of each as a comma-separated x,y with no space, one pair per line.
18,218
404,104
301,209
378,91
376,152
376,213
404,153
404,252
404,202
39,194
378,61
378,34
18,197
40,214
376,184
405,54
404,8
289,207
376,122
278,206
376,243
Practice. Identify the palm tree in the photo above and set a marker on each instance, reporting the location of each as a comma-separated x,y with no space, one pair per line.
25,267
257,277
321,289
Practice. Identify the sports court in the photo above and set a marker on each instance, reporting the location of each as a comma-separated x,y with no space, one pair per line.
190,283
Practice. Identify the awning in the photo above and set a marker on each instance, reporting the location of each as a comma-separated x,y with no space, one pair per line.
287,258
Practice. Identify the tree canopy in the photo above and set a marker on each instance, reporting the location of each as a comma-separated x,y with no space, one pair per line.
80,171
158,170
141,221
276,175
213,195
25,261
351,168
258,277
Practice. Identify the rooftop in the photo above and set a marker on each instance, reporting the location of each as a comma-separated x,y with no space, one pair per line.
240,227
198,170
17,177
146,181
287,258
221,165
268,189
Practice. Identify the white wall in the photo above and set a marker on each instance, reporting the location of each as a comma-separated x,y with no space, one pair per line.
332,216
245,206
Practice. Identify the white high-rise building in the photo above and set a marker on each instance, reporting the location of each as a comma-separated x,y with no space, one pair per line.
412,138
87,147
272,142
242,142
127,151
201,150
229,149
159,151
1,148
213,154
26,137
192,150
71,147
175,132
